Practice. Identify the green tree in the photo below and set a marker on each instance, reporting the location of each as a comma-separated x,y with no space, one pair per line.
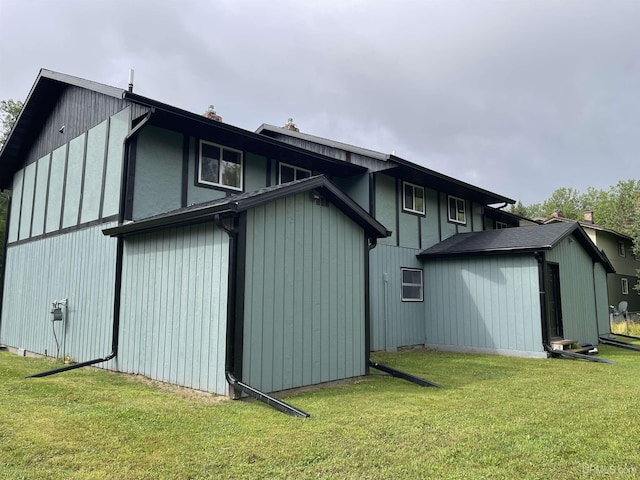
9,111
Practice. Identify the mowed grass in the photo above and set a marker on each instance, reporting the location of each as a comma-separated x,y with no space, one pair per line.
495,417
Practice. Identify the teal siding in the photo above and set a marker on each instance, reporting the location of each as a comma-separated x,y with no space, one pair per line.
387,206
484,304
579,317
56,188
118,130
28,188
174,305
447,229
404,324
602,303
430,232
357,187
94,165
80,267
409,230
73,182
158,177
304,309
16,197
255,172
37,227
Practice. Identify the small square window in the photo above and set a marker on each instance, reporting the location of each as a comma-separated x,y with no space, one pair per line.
412,198
457,210
411,285
290,173
625,286
501,225
621,250
220,166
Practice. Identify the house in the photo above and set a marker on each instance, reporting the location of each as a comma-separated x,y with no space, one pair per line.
146,239
150,240
619,250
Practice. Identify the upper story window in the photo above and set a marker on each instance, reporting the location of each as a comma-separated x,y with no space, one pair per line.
457,210
289,173
625,286
501,225
621,249
412,198
411,285
220,166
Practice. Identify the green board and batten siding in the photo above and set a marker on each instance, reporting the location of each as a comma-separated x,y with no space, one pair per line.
484,304
78,266
304,309
578,299
174,307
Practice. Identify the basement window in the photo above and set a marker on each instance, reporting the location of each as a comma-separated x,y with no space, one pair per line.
411,285
501,225
290,173
457,210
625,286
412,198
220,166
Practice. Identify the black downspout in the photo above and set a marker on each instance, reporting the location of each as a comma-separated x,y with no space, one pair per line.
543,297
115,329
370,244
4,251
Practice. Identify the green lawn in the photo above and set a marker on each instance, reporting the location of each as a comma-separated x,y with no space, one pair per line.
495,417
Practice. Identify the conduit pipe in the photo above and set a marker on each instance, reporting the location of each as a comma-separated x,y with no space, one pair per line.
115,328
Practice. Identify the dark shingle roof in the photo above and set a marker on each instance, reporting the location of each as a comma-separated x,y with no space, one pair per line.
514,240
232,204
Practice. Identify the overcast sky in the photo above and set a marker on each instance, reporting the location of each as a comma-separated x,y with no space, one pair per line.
518,97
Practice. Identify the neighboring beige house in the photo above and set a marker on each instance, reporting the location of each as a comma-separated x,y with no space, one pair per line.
619,250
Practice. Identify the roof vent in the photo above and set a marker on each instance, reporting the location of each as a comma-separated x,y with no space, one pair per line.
588,217
291,126
212,115
557,213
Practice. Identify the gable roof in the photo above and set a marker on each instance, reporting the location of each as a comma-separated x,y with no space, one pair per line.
399,167
44,93
591,226
516,240
232,204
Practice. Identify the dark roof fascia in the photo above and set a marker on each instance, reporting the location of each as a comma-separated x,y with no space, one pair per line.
242,202
482,253
185,121
269,130
44,92
502,215
410,171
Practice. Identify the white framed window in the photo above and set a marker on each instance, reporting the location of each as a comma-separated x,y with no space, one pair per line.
220,166
625,286
621,250
411,285
412,198
457,210
501,225
637,287
289,173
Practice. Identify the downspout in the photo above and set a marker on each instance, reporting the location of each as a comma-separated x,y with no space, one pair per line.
115,329
230,364
370,244
543,298
4,251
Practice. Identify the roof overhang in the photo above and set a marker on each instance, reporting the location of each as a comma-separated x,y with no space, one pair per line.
234,204
176,119
43,96
412,172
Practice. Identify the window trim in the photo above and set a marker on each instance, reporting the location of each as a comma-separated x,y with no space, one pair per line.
295,168
207,183
501,225
403,284
464,203
637,287
621,249
404,203
625,286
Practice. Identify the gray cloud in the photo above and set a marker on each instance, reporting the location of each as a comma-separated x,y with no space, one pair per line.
516,97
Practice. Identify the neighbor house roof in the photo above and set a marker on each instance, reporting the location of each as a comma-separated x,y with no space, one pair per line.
515,240
399,167
592,226
203,212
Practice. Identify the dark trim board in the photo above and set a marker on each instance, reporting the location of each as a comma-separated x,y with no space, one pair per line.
73,228
186,140
105,162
